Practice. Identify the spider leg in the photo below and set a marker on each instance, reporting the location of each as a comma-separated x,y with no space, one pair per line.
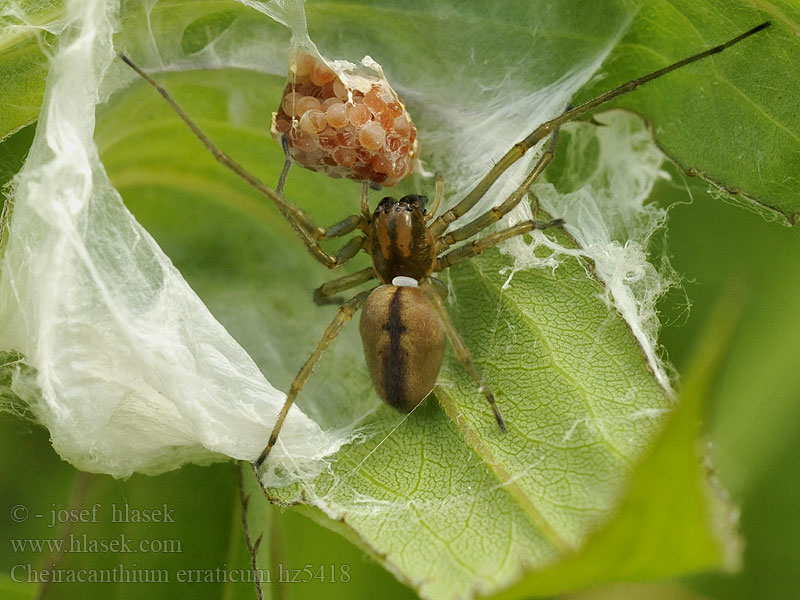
308,231
462,352
287,164
342,317
322,295
440,287
469,250
437,199
496,213
542,131
343,227
349,250
365,185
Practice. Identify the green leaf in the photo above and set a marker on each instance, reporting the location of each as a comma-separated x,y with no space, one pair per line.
667,500
456,517
25,29
731,119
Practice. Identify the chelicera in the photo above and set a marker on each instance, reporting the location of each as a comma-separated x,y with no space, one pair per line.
404,323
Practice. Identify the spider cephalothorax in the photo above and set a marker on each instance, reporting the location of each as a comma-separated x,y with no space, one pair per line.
399,241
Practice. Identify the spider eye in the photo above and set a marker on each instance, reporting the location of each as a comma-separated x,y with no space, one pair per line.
386,203
412,199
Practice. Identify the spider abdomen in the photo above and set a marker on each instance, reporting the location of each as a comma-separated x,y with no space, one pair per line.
403,344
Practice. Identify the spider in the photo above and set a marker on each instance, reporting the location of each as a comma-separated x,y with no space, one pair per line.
404,322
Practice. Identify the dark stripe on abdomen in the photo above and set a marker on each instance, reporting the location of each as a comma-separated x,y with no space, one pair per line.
394,362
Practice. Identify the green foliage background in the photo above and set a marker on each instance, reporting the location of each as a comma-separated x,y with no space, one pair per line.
737,267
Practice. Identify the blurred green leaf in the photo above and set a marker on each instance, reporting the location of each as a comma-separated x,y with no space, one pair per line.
637,591
249,545
183,551
11,590
753,410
